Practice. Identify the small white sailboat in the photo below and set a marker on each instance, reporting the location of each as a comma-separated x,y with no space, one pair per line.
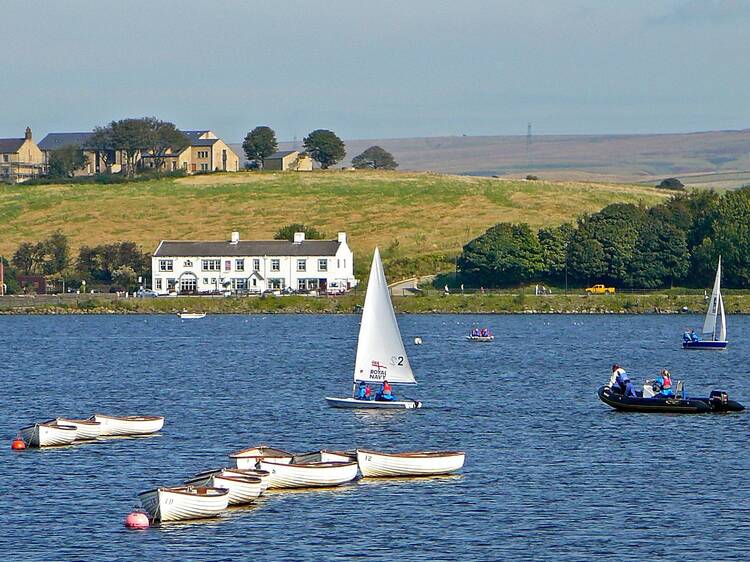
248,458
309,475
242,488
48,434
380,350
185,315
86,430
128,425
715,324
418,463
181,503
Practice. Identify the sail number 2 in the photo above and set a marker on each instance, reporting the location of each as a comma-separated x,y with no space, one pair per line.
397,361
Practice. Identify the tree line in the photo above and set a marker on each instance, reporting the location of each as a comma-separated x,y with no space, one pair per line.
677,242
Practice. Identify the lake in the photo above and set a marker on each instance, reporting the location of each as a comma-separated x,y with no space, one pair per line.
550,471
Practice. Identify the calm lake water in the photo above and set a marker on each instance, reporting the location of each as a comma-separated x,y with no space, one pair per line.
551,473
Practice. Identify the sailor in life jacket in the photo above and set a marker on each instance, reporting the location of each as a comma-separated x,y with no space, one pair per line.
617,378
664,380
362,390
386,392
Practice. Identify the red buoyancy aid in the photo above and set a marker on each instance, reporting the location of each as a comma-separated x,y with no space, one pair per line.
386,387
368,392
667,381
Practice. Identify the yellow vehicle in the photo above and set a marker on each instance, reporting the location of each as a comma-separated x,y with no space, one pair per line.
600,290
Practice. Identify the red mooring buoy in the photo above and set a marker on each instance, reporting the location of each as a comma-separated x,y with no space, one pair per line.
18,444
136,520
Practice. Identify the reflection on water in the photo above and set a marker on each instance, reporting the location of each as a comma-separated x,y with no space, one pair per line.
550,473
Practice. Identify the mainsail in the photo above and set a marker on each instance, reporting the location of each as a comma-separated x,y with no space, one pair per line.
716,312
380,351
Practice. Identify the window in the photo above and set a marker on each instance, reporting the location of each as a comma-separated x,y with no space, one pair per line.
158,282
205,280
227,265
276,283
275,265
203,154
211,265
188,284
5,158
256,265
301,265
188,263
204,167
166,265
239,265
323,264
255,282
239,284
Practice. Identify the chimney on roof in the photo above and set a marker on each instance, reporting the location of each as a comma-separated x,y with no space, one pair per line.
299,237
28,133
342,237
235,238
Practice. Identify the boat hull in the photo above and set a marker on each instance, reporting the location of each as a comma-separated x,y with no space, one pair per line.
247,459
377,464
243,489
309,475
710,345
481,339
191,316
86,430
128,425
324,456
165,504
667,405
48,435
264,476
353,403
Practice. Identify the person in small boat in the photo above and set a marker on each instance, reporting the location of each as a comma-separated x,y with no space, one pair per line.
664,384
690,336
385,392
616,378
630,389
362,390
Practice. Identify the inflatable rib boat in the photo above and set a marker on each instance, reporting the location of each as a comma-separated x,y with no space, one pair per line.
717,402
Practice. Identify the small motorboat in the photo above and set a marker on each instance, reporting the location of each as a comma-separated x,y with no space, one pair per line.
181,503
481,338
309,475
248,458
324,456
417,463
50,433
86,430
242,488
717,402
191,315
128,425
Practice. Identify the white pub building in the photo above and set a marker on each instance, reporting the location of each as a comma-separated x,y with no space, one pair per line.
253,266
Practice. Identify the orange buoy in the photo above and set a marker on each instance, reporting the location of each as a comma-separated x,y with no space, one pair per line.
18,444
136,520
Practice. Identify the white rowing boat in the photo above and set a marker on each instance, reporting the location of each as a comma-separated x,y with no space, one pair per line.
86,430
248,458
324,456
181,503
418,463
128,425
242,488
48,434
264,475
380,349
309,475
191,315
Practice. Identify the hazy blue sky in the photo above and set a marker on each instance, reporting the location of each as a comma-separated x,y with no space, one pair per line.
381,68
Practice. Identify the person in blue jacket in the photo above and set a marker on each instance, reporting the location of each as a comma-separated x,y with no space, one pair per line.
362,391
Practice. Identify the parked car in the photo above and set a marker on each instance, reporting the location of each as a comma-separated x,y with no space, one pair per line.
146,293
600,290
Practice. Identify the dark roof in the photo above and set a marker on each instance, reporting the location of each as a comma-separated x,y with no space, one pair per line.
11,145
280,154
203,142
59,140
193,135
177,248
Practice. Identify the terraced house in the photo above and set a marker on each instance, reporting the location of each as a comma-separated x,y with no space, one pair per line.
253,266
20,159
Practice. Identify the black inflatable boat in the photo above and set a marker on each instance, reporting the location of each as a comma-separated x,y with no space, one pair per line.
717,402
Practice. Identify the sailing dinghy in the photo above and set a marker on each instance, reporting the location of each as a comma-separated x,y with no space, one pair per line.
380,350
715,325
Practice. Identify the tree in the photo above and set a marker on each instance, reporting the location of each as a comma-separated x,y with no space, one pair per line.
103,144
287,232
586,259
324,147
671,183
162,138
125,277
26,258
100,262
375,158
56,253
66,160
507,254
260,143
661,255
554,242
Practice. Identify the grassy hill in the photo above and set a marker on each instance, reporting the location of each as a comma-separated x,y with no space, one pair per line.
425,213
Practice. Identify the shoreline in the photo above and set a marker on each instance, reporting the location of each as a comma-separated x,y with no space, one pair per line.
507,303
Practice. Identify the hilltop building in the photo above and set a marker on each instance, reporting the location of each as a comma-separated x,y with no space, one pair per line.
98,161
288,160
20,159
253,266
205,153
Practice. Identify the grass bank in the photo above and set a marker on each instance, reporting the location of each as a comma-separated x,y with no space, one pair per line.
460,304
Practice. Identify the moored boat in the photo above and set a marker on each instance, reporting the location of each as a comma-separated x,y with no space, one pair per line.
128,425
416,463
480,338
86,430
182,503
249,458
191,315
324,456
242,488
48,434
264,475
309,475
717,402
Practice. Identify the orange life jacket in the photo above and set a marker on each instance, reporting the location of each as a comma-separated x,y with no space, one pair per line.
386,388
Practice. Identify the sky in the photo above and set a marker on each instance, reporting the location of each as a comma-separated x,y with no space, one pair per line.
378,68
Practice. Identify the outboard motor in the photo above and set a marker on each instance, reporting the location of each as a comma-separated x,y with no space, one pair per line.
719,399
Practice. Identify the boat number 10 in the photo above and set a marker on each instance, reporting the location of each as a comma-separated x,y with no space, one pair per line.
397,361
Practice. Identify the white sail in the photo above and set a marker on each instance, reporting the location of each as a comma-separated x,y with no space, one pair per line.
709,325
721,333
380,351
